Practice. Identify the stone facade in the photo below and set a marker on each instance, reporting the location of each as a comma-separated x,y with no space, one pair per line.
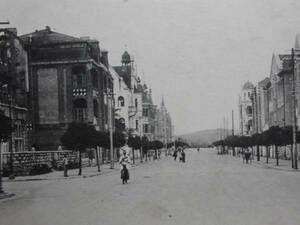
69,81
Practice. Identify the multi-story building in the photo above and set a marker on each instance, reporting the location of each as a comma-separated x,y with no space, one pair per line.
69,81
127,72
14,88
149,113
261,105
164,128
246,109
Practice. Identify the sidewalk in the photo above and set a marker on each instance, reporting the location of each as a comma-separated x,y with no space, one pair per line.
284,165
72,174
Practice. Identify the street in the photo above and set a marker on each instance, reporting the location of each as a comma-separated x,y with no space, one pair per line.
208,189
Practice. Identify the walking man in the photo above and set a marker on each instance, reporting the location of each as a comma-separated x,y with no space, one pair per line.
65,163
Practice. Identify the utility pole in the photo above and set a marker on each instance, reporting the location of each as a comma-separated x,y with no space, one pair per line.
294,112
256,122
232,131
110,117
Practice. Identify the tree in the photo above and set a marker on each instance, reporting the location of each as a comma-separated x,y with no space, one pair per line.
79,137
134,143
145,144
275,135
119,139
256,140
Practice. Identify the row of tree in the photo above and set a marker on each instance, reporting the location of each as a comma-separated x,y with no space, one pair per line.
178,143
81,136
275,136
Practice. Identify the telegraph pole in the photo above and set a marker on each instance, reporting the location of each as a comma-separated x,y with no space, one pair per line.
294,112
232,131
110,117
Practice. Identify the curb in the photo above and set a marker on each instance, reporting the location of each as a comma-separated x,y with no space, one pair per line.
6,195
106,171
267,166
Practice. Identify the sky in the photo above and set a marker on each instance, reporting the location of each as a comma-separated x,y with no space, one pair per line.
195,53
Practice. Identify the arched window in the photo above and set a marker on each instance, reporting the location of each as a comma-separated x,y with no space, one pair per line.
96,108
121,101
249,110
79,77
94,78
80,110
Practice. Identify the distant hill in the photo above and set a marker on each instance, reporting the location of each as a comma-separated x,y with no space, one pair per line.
201,138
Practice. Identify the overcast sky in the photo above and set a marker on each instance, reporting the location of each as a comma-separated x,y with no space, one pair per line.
195,53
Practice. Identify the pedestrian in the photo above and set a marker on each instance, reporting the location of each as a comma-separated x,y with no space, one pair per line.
124,162
183,156
198,149
65,163
175,154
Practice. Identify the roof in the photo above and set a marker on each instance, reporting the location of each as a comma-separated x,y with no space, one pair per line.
125,73
47,36
297,41
264,83
248,85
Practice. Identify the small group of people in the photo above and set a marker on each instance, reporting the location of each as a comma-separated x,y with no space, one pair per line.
179,151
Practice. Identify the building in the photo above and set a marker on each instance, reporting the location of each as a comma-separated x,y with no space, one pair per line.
164,128
149,113
127,72
261,103
69,82
14,88
123,101
246,109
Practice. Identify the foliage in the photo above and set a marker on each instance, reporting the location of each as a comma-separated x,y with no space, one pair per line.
79,136
134,142
119,139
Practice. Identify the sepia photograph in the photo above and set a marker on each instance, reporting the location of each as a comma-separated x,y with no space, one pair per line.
149,112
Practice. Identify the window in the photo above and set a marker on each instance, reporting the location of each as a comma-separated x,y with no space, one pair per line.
137,125
136,103
96,108
79,77
121,101
145,112
145,128
95,78
249,110
80,110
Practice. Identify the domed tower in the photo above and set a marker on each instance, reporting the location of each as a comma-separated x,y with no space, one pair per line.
125,59
245,108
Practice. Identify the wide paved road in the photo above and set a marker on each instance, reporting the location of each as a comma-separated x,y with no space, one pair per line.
207,190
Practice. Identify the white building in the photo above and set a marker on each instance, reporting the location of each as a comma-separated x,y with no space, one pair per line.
246,109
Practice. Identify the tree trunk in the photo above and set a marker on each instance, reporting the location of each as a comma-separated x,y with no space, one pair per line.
233,151
292,156
133,160
267,154
257,153
80,166
141,155
97,158
277,155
